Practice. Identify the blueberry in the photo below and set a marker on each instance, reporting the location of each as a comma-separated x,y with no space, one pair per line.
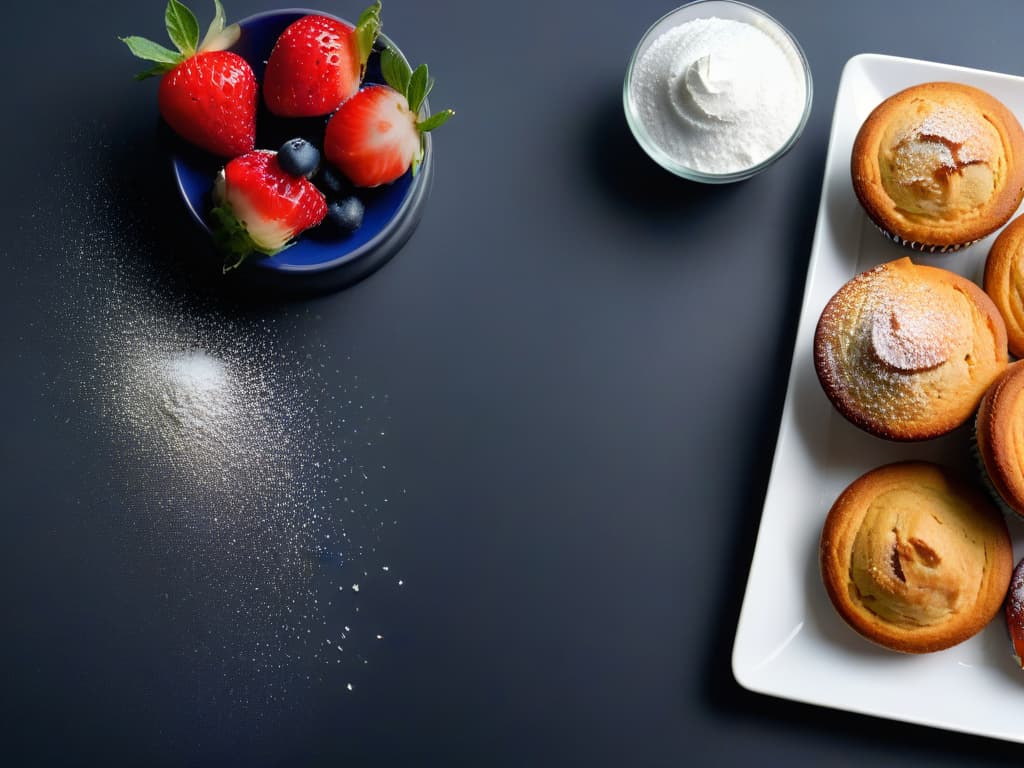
298,157
331,182
346,214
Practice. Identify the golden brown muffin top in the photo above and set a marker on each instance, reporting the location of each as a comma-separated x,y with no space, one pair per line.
1000,435
906,351
913,559
939,164
1004,281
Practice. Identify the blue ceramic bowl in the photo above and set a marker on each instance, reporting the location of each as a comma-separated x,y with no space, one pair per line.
317,258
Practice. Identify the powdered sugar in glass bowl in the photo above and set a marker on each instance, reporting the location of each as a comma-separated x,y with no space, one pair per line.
716,91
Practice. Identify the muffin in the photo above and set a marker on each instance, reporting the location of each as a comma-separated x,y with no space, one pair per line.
1004,281
906,351
997,438
914,559
939,165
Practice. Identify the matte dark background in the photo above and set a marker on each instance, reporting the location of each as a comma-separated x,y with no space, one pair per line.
585,361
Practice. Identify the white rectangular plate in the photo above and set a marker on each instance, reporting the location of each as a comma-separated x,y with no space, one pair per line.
790,642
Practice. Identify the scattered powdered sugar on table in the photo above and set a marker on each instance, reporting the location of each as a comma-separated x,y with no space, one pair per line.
718,95
246,464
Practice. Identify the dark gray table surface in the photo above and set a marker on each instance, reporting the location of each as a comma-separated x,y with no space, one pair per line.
540,437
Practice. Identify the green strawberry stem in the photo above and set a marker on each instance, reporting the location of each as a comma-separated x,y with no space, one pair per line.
183,30
414,85
365,34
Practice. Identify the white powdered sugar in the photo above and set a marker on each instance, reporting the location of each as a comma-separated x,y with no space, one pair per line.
947,138
719,96
911,335
194,392
231,456
945,124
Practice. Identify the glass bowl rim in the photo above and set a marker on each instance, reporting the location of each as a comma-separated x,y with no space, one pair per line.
651,147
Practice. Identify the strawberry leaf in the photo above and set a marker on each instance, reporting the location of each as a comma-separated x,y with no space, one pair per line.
396,70
365,34
372,11
419,84
165,58
231,237
428,89
182,27
155,71
216,26
222,40
435,120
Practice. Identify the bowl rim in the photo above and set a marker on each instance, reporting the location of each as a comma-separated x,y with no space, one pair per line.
651,147
399,226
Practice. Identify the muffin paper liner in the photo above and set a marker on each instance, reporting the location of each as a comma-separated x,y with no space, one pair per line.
922,247
983,476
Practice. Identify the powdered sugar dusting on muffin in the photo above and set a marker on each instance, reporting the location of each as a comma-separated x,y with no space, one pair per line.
903,354
947,139
911,333
916,161
945,124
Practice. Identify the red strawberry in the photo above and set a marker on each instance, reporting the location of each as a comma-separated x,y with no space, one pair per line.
317,63
210,100
377,134
207,94
260,208
1015,613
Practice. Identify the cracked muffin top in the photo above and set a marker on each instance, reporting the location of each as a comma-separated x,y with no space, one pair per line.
914,559
939,165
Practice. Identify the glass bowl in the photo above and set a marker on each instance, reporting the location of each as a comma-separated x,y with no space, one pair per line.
703,9
318,259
